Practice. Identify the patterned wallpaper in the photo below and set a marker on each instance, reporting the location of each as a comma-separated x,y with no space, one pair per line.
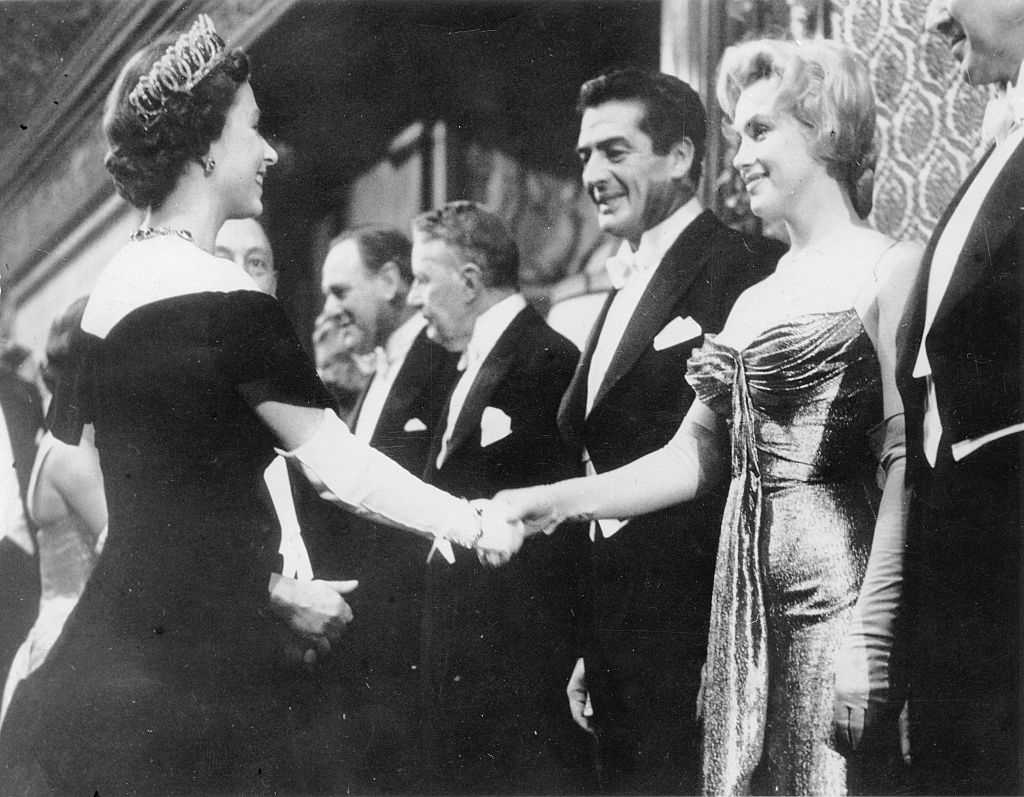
928,118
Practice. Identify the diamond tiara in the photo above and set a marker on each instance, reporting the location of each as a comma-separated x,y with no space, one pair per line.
191,58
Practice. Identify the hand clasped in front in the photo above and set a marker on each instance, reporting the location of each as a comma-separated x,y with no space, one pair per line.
501,533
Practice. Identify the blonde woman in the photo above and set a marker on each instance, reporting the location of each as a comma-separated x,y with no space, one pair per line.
797,408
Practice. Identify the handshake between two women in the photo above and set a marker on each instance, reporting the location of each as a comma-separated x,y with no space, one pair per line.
511,516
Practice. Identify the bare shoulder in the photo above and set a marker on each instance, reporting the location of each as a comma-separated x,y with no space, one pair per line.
753,309
69,459
897,270
753,297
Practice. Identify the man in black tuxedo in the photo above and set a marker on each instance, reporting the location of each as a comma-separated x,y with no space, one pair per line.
497,641
959,373
22,416
372,708
675,276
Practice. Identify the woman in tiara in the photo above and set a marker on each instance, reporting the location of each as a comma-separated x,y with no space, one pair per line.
193,377
797,403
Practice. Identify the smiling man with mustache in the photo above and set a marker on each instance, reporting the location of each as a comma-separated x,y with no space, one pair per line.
676,274
959,373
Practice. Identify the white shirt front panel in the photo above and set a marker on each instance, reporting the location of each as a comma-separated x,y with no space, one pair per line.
489,326
944,259
654,244
396,349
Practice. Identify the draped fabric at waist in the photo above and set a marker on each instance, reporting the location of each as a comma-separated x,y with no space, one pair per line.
793,449
773,481
801,398
737,666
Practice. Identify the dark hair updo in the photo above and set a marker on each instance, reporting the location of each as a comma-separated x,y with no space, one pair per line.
62,349
147,162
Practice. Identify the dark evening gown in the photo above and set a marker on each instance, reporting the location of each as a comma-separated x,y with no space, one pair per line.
800,400
165,677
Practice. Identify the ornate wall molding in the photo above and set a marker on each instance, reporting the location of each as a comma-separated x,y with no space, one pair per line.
54,174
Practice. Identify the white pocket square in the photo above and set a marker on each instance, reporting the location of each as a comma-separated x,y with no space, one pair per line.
494,426
414,425
676,331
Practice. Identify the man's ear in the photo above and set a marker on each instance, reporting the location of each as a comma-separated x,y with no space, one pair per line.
389,281
473,278
682,154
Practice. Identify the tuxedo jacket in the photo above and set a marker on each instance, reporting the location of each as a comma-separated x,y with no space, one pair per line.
639,407
497,641
408,419
973,344
365,698
963,533
388,562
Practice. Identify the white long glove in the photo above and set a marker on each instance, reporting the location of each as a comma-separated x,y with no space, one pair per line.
347,471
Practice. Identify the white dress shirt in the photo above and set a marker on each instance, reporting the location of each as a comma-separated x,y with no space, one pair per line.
390,359
631,273
947,251
654,244
489,326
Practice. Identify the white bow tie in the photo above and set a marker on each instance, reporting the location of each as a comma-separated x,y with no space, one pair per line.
470,357
1003,115
381,362
621,267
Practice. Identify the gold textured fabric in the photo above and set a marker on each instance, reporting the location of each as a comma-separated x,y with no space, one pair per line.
800,400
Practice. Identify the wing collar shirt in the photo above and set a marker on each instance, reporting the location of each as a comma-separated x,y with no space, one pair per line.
1008,133
631,273
390,359
489,326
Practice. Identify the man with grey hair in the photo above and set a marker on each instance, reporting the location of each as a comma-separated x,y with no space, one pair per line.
497,641
370,713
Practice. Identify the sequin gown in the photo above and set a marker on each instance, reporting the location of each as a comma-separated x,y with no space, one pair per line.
797,530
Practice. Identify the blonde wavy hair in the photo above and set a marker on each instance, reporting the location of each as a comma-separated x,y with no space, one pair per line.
823,85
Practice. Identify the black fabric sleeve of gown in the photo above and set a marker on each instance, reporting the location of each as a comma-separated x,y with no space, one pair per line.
258,348
263,353
71,407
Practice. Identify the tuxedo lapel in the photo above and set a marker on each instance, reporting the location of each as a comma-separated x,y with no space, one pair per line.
573,407
410,381
999,214
908,336
670,282
353,417
492,372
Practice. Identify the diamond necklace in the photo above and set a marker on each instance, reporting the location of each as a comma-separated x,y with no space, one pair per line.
145,233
